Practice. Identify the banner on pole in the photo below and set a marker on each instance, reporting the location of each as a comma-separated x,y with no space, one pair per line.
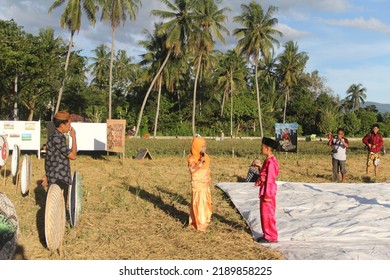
287,137
116,135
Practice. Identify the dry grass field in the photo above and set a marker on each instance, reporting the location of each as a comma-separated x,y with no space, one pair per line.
138,209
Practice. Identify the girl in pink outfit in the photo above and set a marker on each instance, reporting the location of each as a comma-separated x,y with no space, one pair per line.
267,194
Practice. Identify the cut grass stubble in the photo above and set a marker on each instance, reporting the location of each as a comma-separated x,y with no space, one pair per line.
138,209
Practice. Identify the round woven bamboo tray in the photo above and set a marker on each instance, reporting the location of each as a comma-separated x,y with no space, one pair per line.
54,218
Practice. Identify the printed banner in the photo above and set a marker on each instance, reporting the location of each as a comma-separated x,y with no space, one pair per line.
287,137
116,136
25,134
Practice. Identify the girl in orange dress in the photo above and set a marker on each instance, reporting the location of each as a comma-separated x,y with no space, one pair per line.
199,166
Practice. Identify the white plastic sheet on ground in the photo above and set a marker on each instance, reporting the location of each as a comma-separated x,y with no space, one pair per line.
325,221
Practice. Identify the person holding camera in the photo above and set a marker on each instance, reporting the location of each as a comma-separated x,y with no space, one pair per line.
339,146
199,167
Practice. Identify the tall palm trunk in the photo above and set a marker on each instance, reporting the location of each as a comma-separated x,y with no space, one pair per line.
285,103
65,73
178,101
223,102
149,90
231,105
110,80
158,106
16,111
258,98
194,97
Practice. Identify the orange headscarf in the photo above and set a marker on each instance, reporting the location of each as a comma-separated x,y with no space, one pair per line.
196,149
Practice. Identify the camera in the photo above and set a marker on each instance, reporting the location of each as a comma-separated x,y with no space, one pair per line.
334,151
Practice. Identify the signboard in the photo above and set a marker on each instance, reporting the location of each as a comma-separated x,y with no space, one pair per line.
287,137
25,134
116,136
90,136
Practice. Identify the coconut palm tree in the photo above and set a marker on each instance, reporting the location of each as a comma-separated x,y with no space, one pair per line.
177,29
209,21
71,19
122,67
116,12
256,37
267,69
154,44
291,66
356,95
176,74
230,76
100,66
269,81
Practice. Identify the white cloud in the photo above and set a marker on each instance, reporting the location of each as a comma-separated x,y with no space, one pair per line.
323,5
362,23
290,33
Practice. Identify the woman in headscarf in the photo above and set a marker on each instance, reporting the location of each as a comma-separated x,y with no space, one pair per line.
199,166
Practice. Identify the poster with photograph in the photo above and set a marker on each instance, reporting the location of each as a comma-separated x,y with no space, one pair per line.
287,137
30,126
25,134
116,136
9,125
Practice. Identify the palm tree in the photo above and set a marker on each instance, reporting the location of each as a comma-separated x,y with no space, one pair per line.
256,37
230,77
176,73
100,66
356,95
209,21
267,69
177,30
123,66
71,19
115,12
291,66
155,55
269,80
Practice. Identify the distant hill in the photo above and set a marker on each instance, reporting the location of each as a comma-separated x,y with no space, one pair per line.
383,108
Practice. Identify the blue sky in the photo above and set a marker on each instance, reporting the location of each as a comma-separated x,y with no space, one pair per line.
348,41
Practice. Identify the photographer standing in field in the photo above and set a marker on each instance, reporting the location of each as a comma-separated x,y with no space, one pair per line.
339,154
374,144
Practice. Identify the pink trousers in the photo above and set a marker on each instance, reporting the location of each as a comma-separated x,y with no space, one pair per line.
268,221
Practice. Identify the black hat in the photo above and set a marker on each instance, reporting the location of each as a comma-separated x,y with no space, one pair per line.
375,125
270,143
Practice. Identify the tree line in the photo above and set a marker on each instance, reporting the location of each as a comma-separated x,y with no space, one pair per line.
181,85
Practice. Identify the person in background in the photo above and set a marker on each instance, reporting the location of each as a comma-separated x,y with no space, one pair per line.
58,155
222,135
374,144
339,146
254,171
267,193
286,135
199,167
330,136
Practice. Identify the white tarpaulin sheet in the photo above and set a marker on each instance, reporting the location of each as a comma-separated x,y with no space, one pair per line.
322,221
